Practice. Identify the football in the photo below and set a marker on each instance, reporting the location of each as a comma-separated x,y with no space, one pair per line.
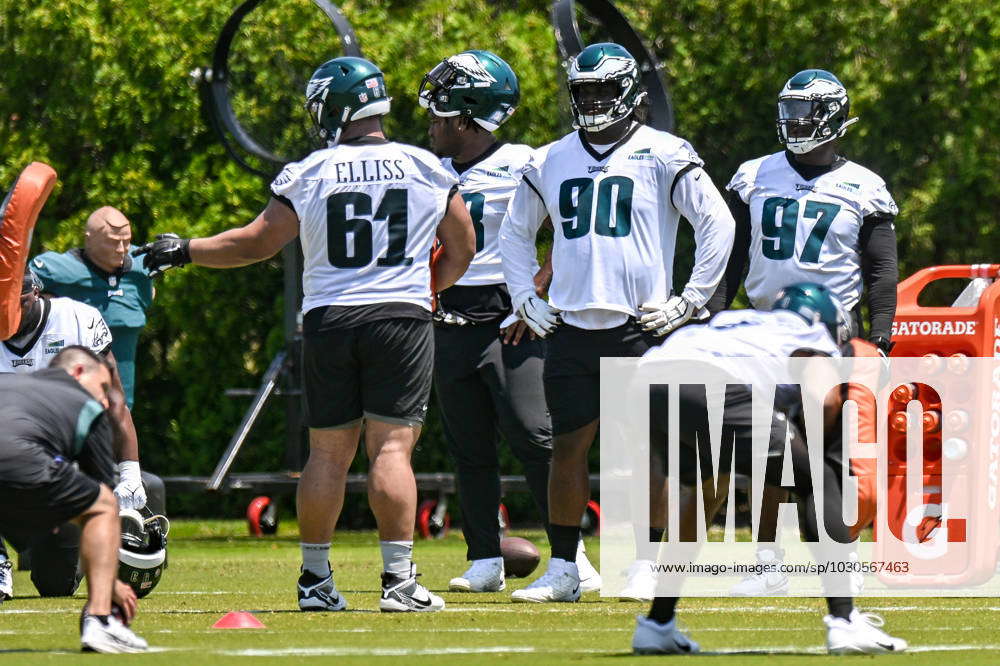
520,557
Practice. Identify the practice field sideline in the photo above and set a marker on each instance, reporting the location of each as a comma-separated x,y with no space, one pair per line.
215,568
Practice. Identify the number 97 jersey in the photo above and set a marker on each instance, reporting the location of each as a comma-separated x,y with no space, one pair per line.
368,214
805,230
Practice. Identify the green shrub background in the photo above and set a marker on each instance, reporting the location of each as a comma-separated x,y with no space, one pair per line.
99,90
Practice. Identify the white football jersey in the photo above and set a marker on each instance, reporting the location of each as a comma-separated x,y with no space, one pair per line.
65,322
368,214
735,334
487,188
807,230
615,216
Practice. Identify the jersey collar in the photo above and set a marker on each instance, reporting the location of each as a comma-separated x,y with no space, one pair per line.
600,157
814,171
461,167
126,266
365,141
21,350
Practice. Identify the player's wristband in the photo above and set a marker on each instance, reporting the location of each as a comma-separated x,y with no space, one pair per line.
129,470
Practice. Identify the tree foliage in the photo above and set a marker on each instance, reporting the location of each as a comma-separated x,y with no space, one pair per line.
99,89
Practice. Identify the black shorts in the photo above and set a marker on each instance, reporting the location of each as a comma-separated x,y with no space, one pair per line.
379,369
573,369
39,491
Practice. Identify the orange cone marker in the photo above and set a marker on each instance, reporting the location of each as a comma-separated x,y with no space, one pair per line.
238,620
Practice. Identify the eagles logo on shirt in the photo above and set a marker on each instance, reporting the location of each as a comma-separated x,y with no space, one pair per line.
102,335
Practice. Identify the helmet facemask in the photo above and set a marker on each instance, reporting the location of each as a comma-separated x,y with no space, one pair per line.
599,104
435,90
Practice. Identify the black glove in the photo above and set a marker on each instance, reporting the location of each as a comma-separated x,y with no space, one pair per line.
167,251
884,344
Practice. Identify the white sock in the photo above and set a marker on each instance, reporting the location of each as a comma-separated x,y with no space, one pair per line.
316,558
396,557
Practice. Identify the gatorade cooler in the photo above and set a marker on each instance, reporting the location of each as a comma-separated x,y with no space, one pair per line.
944,338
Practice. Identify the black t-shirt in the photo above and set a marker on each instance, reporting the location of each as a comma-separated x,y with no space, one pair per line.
49,408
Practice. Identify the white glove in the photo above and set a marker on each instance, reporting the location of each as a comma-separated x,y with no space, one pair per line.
665,317
129,492
540,317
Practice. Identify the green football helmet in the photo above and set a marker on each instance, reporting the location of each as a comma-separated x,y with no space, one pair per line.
812,110
342,90
604,86
816,304
478,84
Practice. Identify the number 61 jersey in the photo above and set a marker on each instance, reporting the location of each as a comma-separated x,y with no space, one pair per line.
368,213
804,230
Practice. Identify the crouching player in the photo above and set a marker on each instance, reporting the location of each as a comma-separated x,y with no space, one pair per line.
806,321
66,414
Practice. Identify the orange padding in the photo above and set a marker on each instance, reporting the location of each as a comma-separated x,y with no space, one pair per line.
19,213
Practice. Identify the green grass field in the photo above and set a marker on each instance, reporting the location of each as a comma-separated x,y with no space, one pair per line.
215,568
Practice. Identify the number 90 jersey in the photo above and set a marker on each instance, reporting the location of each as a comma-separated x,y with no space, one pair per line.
807,230
368,214
487,188
615,215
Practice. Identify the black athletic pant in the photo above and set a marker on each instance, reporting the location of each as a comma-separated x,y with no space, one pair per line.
54,557
485,387
694,426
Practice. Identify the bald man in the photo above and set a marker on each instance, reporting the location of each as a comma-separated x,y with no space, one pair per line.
103,275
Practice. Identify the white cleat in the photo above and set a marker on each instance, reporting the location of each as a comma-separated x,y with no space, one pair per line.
640,583
319,594
764,584
861,635
561,582
590,578
403,594
109,636
6,581
651,637
482,576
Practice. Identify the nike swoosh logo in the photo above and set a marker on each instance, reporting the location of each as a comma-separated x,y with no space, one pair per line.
422,603
890,648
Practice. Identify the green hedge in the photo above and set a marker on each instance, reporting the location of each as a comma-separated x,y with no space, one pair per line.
99,90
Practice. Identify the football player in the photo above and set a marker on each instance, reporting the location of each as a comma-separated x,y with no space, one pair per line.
808,213
47,326
615,191
367,211
487,373
806,320
61,425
